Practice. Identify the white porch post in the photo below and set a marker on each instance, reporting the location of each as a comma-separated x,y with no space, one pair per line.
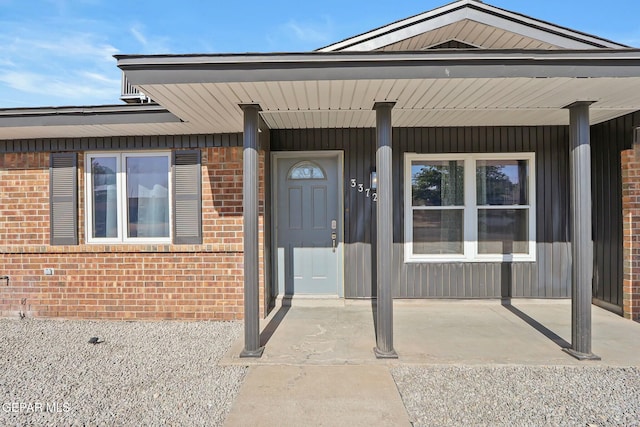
384,247
581,227
250,223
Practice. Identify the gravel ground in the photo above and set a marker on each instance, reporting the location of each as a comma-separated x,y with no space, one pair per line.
520,395
141,373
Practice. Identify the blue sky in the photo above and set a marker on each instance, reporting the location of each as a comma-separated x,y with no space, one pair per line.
59,52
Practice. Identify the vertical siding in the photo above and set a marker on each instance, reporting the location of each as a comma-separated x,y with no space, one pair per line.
359,157
548,277
121,143
607,141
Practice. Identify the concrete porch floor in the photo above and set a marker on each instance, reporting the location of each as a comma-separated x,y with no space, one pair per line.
318,367
341,332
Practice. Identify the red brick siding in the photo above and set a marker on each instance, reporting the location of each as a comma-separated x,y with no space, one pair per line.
631,231
125,285
24,199
122,281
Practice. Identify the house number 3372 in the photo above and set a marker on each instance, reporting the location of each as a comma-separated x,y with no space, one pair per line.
367,191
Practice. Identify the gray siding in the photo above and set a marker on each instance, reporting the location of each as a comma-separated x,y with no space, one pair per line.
121,143
549,277
607,141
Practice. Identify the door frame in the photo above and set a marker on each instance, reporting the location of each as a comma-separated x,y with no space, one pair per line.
302,155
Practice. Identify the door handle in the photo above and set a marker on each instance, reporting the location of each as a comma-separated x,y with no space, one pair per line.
333,241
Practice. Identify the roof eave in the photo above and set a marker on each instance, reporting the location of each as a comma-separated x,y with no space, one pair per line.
176,69
85,116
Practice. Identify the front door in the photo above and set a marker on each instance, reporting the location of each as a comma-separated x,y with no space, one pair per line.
309,224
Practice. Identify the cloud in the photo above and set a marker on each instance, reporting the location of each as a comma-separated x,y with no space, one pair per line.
310,32
79,45
78,86
303,35
138,36
67,46
64,69
149,44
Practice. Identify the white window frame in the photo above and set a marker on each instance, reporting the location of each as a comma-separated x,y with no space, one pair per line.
470,232
121,184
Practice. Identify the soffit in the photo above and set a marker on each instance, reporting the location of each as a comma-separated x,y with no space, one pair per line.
471,32
419,102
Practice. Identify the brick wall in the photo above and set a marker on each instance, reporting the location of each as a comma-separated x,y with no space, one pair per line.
631,231
122,281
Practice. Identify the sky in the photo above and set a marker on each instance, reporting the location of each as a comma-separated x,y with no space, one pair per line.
60,52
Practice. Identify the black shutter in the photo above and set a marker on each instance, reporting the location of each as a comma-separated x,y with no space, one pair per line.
187,195
63,199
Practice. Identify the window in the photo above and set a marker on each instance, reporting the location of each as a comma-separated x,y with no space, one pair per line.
469,207
128,197
306,170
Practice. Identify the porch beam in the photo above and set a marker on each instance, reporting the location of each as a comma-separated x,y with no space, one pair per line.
581,226
250,223
384,246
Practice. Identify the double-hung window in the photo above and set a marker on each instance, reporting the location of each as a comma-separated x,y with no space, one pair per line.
128,197
469,207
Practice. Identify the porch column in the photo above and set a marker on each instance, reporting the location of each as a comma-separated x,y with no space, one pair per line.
384,247
581,238
250,220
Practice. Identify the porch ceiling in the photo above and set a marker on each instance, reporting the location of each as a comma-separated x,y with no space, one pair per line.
419,102
447,88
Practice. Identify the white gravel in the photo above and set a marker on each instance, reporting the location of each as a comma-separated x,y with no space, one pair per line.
520,395
167,373
141,373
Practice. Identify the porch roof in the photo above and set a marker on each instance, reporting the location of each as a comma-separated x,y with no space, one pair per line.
201,94
430,88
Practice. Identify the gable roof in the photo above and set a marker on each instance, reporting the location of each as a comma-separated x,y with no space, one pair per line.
474,23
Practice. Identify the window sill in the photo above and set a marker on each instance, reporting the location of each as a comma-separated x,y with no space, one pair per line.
478,260
141,242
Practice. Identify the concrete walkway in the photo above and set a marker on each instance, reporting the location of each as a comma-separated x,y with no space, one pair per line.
280,395
318,367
